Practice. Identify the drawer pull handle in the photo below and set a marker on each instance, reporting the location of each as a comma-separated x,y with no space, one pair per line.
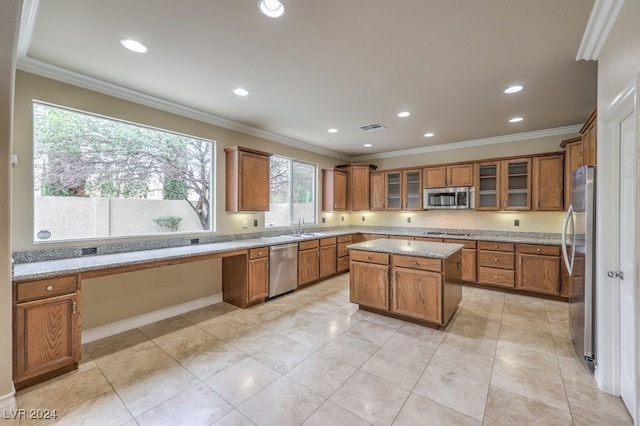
49,287
368,257
415,262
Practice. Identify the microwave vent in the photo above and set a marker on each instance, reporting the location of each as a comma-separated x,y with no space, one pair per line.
373,127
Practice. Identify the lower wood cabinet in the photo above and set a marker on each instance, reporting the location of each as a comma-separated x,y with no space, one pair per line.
417,294
46,339
308,262
496,263
258,280
369,279
538,268
342,253
327,261
469,265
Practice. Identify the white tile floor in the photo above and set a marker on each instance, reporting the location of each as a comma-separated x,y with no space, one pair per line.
313,358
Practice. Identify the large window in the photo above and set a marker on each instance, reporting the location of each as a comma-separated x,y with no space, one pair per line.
96,177
293,192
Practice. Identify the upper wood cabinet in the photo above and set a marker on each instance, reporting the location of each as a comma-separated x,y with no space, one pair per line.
412,189
358,186
393,190
248,175
453,175
589,141
334,190
548,174
503,185
573,160
377,190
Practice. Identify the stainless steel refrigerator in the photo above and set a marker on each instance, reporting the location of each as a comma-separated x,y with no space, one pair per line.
578,251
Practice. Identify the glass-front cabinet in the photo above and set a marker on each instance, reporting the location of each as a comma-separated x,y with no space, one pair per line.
412,189
503,185
393,191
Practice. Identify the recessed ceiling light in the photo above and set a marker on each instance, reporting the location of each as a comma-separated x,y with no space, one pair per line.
516,120
429,135
404,114
332,130
240,91
513,89
271,8
367,145
133,45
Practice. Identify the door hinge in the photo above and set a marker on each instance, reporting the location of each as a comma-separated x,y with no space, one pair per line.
616,274
74,307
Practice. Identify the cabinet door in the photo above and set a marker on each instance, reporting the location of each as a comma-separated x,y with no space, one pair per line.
488,185
469,265
46,336
516,184
327,261
258,285
393,192
377,191
435,177
538,273
460,175
548,175
253,188
334,190
307,266
359,188
572,161
412,189
589,145
417,294
369,285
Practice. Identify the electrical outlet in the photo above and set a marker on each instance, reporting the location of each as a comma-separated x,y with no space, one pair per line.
255,222
516,222
244,224
342,218
363,218
324,220
409,219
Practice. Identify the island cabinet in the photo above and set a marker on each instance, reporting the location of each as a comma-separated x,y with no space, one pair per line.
408,286
342,253
46,339
538,268
308,262
247,179
469,268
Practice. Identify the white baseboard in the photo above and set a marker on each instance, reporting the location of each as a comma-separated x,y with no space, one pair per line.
107,330
8,401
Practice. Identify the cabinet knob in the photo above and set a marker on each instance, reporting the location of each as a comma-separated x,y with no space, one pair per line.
259,252
368,257
495,260
49,287
495,277
415,262
538,250
496,246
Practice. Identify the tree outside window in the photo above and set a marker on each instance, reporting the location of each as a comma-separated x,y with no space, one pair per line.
293,192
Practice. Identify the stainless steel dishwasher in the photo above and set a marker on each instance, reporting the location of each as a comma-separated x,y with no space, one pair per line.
283,268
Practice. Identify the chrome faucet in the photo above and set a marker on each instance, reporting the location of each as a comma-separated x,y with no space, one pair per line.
300,224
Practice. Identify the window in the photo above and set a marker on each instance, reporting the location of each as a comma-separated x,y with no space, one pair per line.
293,192
96,177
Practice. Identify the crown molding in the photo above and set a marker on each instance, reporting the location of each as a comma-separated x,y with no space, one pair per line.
557,131
27,22
603,16
76,79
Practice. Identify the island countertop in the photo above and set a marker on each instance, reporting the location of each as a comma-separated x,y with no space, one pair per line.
409,248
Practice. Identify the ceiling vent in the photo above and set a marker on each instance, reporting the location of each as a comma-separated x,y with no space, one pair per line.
373,127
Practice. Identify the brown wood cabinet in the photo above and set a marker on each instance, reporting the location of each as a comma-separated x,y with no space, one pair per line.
342,253
548,176
377,193
538,268
469,266
496,263
247,179
453,175
417,293
328,258
334,190
358,185
308,262
46,339
573,160
412,189
258,280
503,184
589,141
393,190
369,279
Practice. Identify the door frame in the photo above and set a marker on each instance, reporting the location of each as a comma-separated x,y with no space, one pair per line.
607,372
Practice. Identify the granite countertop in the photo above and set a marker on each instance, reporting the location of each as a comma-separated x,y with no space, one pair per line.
409,248
56,262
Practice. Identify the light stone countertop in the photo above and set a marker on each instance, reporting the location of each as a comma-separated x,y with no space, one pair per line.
409,248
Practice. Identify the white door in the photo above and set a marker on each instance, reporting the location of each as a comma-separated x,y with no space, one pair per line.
628,193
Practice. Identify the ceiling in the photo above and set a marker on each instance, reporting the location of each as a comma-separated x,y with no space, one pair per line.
334,64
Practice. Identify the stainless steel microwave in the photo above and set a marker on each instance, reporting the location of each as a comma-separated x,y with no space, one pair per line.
448,198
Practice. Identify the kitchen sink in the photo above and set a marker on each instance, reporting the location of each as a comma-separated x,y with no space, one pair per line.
312,234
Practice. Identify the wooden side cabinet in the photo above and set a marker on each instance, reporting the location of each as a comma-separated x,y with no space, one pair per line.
572,161
548,177
258,281
334,190
469,264
589,141
248,174
46,336
538,268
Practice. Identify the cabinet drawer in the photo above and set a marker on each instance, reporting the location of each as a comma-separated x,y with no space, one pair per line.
33,290
400,237
495,259
342,264
257,253
415,262
468,244
345,239
342,249
500,277
429,239
486,245
306,245
369,257
331,241
538,249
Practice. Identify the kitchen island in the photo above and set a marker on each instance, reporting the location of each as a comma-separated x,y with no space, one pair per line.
412,280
